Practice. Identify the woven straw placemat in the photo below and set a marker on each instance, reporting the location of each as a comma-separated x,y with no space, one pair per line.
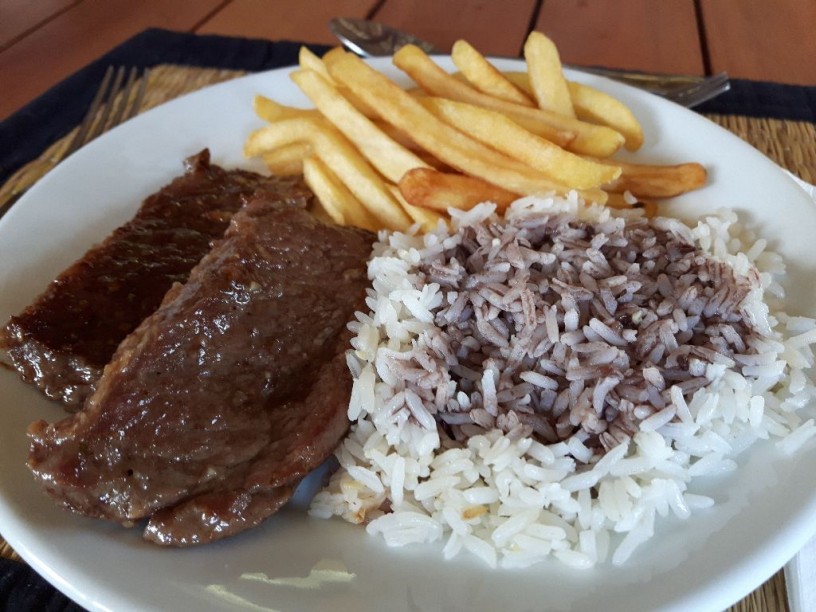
791,144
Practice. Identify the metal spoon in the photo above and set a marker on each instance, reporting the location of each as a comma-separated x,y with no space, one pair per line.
372,39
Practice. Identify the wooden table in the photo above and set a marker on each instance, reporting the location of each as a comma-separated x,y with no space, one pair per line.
43,42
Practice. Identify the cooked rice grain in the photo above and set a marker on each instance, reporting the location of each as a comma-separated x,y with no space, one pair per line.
550,383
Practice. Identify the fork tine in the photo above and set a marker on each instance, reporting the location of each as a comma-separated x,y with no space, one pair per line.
122,102
137,101
87,121
112,104
100,126
707,89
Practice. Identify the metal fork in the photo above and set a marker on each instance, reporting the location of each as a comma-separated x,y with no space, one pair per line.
688,90
702,91
118,99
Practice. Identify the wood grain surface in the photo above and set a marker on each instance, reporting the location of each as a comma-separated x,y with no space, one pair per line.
633,34
43,41
762,40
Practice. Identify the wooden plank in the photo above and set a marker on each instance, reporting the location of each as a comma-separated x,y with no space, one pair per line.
756,39
305,20
22,16
79,36
636,34
495,28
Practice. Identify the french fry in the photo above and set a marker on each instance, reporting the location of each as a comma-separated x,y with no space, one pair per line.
379,156
309,61
442,140
280,134
361,105
436,82
496,130
531,124
328,192
594,106
334,196
333,54
656,181
398,136
269,110
341,156
520,80
409,143
547,75
427,218
577,136
439,191
598,107
287,160
391,159
484,76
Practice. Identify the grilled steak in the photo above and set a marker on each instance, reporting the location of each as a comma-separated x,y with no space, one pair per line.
224,398
62,341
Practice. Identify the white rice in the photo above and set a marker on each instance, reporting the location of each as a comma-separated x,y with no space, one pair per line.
512,500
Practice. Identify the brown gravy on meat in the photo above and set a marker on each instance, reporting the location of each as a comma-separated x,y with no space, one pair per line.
61,342
223,399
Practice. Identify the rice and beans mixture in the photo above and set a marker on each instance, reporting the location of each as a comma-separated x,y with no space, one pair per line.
549,383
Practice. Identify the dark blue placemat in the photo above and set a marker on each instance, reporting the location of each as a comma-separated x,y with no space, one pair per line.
761,99
22,590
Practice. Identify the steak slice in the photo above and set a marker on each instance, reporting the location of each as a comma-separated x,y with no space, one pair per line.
61,342
226,396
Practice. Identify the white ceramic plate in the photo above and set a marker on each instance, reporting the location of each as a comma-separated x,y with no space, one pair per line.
764,511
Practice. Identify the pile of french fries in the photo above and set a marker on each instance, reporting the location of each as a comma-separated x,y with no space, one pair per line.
380,156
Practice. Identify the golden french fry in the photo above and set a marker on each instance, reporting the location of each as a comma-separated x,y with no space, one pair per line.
409,143
436,82
320,213
457,140
442,140
577,136
657,181
531,124
334,196
391,159
309,61
547,75
398,136
484,76
596,106
332,54
369,110
281,133
440,191
427,218
520,80
338,154
326,190
269,110
496,130
287,160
